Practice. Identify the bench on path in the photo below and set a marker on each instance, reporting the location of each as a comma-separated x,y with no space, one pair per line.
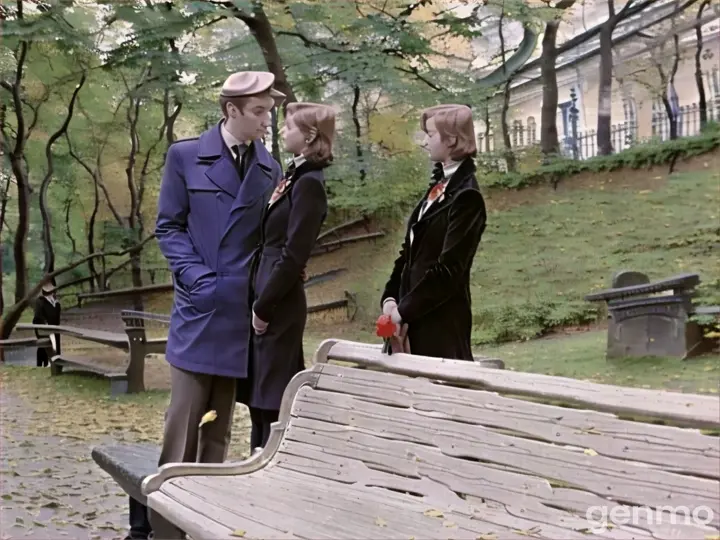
653,318
126,371
21,348
416,447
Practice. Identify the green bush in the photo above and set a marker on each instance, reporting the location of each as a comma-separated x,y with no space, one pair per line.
637,157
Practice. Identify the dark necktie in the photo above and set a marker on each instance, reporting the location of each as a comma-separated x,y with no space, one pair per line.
438,176
290,170
238,152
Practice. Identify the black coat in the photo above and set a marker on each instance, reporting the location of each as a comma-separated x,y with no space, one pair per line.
46,313
430,279
290,228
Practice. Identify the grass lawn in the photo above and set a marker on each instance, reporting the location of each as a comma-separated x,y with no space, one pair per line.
540,256
582,356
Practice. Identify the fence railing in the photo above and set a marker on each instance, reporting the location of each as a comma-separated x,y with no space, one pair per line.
583,144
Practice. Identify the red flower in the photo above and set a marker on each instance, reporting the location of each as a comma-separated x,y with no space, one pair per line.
385,328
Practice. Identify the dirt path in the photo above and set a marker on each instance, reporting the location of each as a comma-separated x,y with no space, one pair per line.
50,486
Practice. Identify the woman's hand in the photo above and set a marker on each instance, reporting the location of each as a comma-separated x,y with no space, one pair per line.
259,325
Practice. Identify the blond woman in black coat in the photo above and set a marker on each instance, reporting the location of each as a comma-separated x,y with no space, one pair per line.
429,287
291,224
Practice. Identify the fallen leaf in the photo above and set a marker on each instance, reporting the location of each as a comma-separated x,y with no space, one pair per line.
449,524
528,532
239,533
434,513
488,536
209,416
590,452
380,522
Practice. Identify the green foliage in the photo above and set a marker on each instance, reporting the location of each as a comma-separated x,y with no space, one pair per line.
638,157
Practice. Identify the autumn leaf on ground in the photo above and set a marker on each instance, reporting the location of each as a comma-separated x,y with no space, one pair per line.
590,452
528,532
239,533
209,416
434,513
380,522
488,536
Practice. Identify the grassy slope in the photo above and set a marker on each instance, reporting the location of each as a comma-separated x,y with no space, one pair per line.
539,258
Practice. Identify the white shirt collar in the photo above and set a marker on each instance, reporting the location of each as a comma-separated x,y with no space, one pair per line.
230,139
450,167
299,160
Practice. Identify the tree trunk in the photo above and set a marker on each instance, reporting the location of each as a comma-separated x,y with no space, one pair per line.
509,155
358,133
49,265
604,142
672,118
23,226
702,100
261,29
94,276
549,143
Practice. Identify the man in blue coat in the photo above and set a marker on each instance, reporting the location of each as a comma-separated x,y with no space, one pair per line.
213,193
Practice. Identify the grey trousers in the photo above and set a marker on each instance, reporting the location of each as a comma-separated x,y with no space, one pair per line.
191,396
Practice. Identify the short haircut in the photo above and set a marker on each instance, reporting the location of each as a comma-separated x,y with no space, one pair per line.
321,117
453,121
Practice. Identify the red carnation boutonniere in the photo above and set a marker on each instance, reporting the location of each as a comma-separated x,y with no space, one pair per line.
282,188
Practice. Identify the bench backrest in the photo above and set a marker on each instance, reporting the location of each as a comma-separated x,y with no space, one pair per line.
438,434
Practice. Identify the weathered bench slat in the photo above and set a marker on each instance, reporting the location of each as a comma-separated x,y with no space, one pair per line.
112,339
445,447
362,453
321,357
681,409
322,508
688,452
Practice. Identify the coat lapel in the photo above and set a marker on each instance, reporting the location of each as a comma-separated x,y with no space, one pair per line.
299,171
222,172
454,184
258,178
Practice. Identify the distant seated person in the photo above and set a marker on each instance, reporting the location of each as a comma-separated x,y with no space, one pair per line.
47,311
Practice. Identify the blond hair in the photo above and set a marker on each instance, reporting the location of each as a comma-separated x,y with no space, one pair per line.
307,116
453,121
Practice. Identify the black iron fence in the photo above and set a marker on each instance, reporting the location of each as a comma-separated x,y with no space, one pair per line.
583,144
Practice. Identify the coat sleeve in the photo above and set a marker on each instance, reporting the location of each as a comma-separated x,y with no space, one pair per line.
171,226
309,207
39,312
442,280
392,287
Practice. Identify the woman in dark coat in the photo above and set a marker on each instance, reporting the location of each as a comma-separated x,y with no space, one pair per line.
291,224
429,287
47,311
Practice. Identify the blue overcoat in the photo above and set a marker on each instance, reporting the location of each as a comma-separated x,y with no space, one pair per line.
208,228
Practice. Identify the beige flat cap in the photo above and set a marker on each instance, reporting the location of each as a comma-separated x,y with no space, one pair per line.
248,83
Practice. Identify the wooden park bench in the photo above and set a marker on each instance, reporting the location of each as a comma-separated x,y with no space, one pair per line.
21,348
653,318
418,447
127,372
